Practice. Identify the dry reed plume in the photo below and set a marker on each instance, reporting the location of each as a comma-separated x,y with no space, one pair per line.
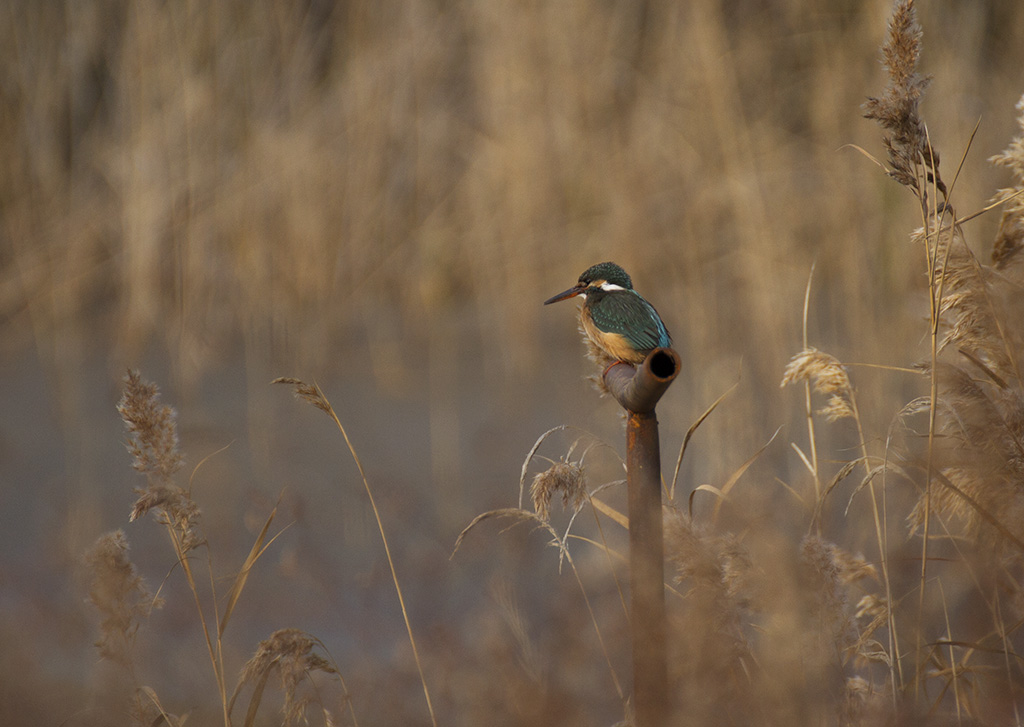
123,601
290,654
828,377
119,594
966,463
152,431
561,477
906,139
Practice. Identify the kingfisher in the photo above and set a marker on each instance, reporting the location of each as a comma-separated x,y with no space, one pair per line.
616,318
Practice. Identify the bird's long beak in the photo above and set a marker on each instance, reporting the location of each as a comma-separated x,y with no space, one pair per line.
570,293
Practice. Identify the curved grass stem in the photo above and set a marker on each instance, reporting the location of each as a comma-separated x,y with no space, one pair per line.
314,395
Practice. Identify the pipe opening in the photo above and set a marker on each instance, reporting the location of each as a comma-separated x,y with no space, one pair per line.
663,365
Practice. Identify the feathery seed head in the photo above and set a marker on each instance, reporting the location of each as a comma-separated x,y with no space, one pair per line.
307,392
152,432
827,375
290,652
564,477
896,110
119,594
1011,227
153,443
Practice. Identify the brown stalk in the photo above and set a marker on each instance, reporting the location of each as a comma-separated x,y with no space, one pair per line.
519,515
313,395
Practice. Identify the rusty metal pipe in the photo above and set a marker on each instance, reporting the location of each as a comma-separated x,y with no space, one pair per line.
638,390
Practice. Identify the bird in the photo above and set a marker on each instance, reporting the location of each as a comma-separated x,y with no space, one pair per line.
616,318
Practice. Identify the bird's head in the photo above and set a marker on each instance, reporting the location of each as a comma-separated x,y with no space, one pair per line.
603,276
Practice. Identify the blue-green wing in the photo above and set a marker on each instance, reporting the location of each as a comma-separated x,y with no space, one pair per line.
632,317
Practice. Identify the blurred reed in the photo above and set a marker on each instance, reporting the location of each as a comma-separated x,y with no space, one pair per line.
291,180
288,180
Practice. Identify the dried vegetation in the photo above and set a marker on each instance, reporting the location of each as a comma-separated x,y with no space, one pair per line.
883,583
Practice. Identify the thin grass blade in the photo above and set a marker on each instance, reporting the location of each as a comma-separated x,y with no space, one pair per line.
257,549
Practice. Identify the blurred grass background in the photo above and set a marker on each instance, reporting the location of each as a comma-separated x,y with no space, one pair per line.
379,195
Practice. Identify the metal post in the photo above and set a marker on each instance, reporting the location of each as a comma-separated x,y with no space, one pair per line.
638,391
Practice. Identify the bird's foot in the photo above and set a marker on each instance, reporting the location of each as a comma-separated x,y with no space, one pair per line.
612,365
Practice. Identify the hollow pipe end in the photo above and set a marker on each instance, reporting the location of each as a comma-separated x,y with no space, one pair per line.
638,389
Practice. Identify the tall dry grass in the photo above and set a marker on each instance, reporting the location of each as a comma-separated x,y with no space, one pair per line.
277,182
290,181
773,629
123,600
237,170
